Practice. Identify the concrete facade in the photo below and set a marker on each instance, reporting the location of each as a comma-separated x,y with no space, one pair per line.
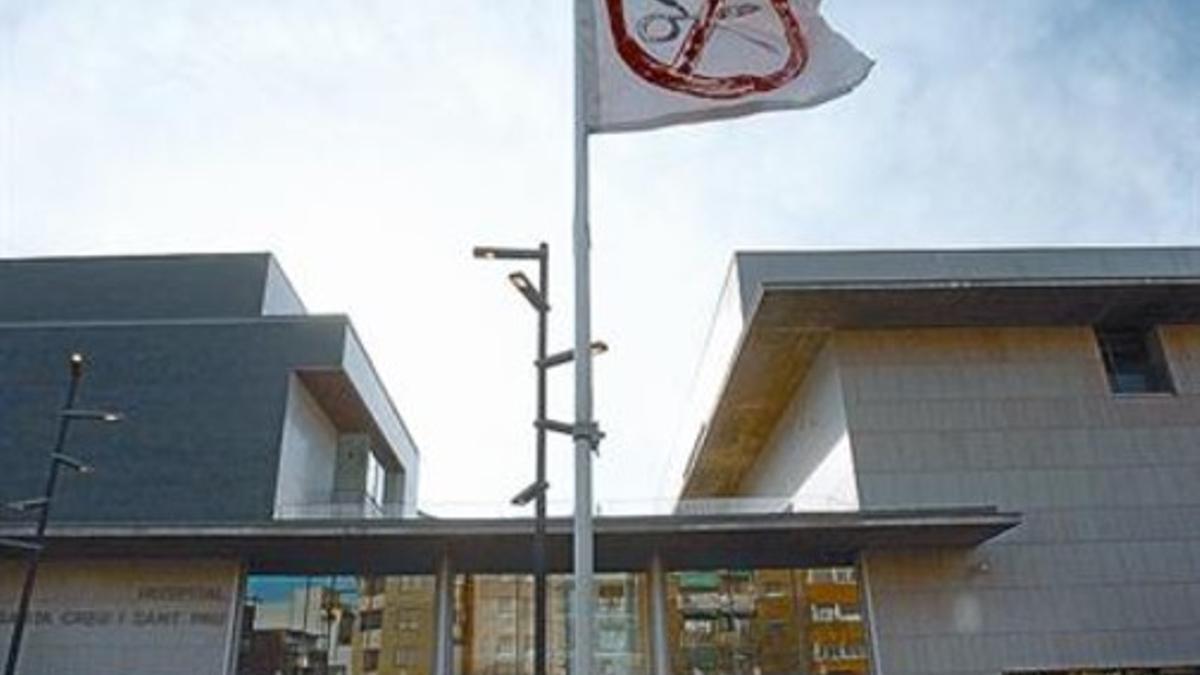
129,616
260,445
237,408
308,451
1105,569
967,379
807,457
231,394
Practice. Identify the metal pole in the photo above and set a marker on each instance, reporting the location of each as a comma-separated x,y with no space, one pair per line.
443,629
585,436
659,644
35,555
539,533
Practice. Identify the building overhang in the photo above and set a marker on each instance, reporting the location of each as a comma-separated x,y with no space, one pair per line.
503,546
351,393
784,306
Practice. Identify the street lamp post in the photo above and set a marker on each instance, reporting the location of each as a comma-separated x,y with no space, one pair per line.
538,298
58,459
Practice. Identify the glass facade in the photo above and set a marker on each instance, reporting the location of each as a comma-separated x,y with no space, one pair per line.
766,622
300,626
728,622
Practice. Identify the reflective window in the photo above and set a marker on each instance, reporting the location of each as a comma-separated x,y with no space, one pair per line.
337,625
376,484
766,622
727,622
1134,361
494,625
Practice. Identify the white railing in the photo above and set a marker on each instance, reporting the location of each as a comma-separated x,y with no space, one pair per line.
562,508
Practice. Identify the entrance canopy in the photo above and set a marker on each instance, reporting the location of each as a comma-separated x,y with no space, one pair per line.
413,546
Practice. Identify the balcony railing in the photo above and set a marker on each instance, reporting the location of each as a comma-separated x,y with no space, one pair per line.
560,508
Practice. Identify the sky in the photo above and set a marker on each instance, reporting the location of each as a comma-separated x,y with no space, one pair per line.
370,144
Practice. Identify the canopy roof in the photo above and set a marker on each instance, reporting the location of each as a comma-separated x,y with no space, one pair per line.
505,545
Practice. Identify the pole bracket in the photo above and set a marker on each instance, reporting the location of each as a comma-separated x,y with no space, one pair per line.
555,426
590,432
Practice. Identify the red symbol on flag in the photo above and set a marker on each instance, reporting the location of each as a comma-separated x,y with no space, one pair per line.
713,17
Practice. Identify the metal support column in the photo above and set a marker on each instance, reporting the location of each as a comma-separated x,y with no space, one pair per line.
539,534
660,648
443,612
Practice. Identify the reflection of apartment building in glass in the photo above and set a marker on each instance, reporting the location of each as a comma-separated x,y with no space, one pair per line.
835,637
297,626
902,463
494,628
393,635
768,622
495,623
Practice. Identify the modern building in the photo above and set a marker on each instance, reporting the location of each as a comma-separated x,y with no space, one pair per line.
230,388
901,462
1063,384
240,409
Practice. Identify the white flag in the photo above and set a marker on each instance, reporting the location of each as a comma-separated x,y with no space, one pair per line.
651,63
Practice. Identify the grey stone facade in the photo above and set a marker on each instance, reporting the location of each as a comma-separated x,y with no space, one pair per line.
977,380
206,356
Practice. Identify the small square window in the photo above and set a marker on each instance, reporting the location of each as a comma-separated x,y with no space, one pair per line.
1134,360
371,620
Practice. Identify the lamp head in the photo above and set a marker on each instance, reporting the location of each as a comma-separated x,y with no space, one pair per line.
530,493
106,416
72,463
525,287
500,253
25,505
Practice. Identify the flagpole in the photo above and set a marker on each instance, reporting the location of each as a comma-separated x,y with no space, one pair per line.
586,436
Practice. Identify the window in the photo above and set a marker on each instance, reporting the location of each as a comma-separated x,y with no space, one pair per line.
824,613
823,652
1134,360
831,575
376,480
611,597
408,620
849,613
835,611
773,589
371,620
371,660
407,656
506,606
345,629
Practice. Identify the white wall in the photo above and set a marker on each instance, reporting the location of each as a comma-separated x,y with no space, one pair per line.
362,372
720,348
808,456
160,617
307,454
